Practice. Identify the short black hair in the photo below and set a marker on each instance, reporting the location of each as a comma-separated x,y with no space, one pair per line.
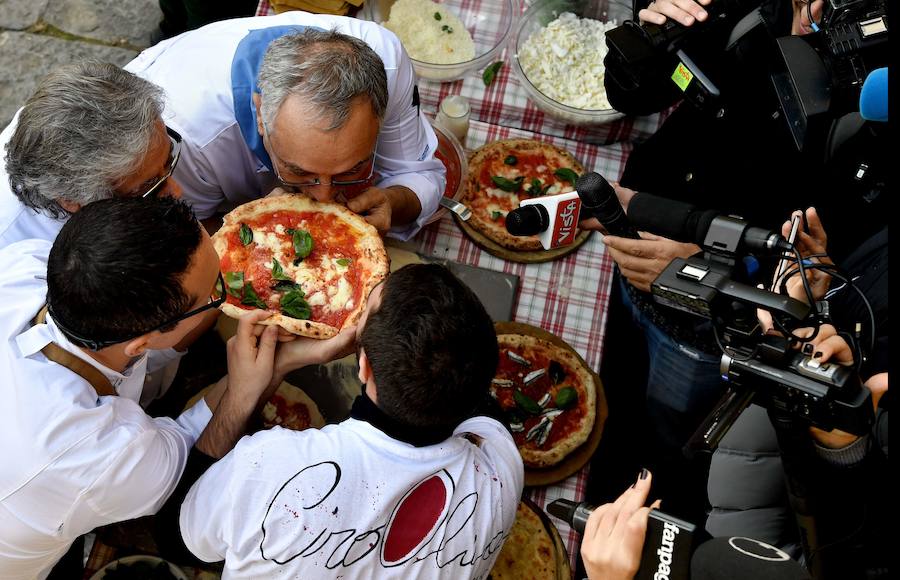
116,268
431,346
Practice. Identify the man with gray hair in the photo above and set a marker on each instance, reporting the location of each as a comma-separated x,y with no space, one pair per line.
90,131
322,105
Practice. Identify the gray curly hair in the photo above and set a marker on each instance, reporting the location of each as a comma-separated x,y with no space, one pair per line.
82,132
327,69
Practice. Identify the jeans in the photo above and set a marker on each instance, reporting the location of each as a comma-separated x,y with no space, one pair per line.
683,383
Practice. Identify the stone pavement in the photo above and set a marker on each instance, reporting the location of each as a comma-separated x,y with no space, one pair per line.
39,35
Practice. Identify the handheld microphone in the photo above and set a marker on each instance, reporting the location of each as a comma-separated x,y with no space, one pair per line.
873,99
667,545
684,222
599,200
553,218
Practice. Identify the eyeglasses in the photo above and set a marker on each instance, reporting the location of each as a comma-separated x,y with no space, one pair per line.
174,155
337,183
216,299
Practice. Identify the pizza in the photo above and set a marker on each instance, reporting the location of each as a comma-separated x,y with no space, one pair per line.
548,395
291,408
503,173
529,551
312,264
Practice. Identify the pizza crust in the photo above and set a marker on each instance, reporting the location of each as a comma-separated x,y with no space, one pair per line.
372,259
528,552
474,193
587,399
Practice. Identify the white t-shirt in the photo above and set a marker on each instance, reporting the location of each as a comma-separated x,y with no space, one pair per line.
348,501
219,170
71,460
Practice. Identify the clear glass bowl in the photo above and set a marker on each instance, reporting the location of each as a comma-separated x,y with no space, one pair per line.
453,156
539,15
490,22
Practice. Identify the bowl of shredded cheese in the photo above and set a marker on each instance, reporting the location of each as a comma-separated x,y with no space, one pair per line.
558,51
447,39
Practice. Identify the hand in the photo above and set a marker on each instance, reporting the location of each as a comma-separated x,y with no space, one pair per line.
614,534
684,11
623,193
251,357
801,24
383,208
641,261
307,351
808,244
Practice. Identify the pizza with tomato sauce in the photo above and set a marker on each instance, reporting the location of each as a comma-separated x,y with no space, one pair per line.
291,408
548,395
503,173
312,264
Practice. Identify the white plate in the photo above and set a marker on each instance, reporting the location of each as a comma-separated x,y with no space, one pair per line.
127,560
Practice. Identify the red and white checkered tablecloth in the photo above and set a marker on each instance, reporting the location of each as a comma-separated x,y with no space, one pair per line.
568,296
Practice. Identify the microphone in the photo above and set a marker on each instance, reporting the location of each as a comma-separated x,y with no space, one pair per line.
684,222
598,199
873,99
740,558
553,218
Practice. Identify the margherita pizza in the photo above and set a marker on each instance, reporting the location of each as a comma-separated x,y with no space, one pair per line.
529,551
503,173
312,264
291,408
548,395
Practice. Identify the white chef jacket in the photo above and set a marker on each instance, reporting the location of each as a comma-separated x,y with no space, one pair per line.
348,501
18,222
209,75
71,460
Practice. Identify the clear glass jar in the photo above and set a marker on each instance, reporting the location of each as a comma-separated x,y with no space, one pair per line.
453,114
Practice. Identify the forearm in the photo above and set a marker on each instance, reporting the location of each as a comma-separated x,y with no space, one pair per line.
228,424
405,205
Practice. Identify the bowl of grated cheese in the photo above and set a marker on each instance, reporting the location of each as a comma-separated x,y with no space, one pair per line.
558,51
447,39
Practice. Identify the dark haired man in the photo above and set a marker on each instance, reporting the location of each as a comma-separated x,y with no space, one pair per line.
413,484
124,277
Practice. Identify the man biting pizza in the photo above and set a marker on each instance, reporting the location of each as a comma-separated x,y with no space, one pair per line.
322,105
418,482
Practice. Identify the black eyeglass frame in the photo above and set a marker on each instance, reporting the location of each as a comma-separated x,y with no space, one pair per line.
95,345
175,156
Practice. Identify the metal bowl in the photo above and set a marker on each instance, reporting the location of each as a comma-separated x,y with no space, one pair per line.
453,156
490,22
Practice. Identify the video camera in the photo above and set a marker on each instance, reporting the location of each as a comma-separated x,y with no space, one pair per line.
761,368
815,76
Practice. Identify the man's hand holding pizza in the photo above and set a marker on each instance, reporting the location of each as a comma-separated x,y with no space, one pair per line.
383,208
303,351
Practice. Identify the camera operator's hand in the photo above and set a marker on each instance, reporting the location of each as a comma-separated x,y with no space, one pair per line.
801,24
812,245
641,261
614,534
685,12
623,194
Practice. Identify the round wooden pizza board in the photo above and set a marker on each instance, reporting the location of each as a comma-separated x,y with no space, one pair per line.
525,257
577,459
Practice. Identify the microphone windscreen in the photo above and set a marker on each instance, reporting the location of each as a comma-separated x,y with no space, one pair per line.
740,558
594,190
873,99
528,220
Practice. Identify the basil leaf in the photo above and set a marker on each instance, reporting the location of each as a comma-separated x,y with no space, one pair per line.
511,160
535,188
490,72
285,286
526,403
303,243
278,272
234,283
566,397
250,297
437,15
294,304
343,262
495,215
512,186
566,174
246,234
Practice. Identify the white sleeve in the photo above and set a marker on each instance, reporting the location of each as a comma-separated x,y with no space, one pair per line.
193,173
406,147
500,448
144,472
